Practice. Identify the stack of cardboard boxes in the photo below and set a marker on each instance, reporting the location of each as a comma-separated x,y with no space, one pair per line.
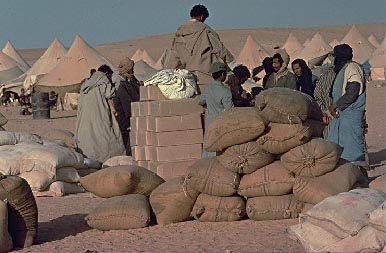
166,135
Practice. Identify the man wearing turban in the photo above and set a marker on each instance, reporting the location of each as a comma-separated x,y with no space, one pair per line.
127,87
348,108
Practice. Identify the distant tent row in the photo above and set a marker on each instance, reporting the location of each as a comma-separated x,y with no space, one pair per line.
315,50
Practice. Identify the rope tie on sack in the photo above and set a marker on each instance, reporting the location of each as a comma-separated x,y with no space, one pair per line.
308,161
184,187
289,119
242,163
234,182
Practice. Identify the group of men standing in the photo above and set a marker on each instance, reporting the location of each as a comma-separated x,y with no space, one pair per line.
103,126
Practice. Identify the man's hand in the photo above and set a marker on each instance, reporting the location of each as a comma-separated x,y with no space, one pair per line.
332,110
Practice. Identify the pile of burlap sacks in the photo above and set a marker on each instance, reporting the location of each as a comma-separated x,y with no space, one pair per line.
353,221
48,163
269,166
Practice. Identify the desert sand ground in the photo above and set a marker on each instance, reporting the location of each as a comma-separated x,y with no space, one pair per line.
61,219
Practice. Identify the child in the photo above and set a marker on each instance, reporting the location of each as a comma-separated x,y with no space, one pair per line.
53,99
24,101
216,96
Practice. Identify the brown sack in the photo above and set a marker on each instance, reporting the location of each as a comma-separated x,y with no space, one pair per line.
234,126
120,213
173,201
37,180
5,238
271,180
217,209
287,106
118,160
342,179
367,240
379,183
59,135
3,120
377,218
346,213
273,207
313,238
245,158
208,176
279,138
22,210
121,180
67,174
312,159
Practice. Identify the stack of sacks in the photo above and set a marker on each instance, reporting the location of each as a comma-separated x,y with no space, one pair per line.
5,239
61,136
379,183
127,188
348,222
44,165
166,135
319,172
22,212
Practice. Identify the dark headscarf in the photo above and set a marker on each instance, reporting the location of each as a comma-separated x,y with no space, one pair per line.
342,55
304,82
268,68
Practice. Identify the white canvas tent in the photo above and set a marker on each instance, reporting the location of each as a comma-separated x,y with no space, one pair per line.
143,71
158,64
334,43
377,62
362,49
252,54
72,69
315,48
137,56
292,46
45,63
11,52
373,41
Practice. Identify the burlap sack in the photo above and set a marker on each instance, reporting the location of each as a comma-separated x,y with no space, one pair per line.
234,126
271,180
5,238
24,157
13,138
120,213
342,179
377,218
379,183
22,210
3,120
368,239
85,172
273,207
59,135
346,213
67,174
217,209
245,158
287,106
318,127
37,180
280,138
121,180
313,159
312,238
172,201
208,176
118,160
60,188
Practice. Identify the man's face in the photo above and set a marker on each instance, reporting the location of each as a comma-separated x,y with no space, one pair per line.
297,69
276,64
243,80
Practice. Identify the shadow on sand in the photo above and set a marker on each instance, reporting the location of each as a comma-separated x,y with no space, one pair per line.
377,158
61,227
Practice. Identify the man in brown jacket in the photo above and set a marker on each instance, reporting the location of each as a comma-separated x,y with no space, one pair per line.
127,87
196,46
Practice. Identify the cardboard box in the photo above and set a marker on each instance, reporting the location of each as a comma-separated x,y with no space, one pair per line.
174,123
173,138
174,107
173,153
149,93
138,153
138,123
138,138
169,170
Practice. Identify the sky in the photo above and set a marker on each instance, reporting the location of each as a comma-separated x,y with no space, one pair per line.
35,23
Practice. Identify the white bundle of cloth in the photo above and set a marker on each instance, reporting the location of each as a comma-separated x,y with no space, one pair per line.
174,83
